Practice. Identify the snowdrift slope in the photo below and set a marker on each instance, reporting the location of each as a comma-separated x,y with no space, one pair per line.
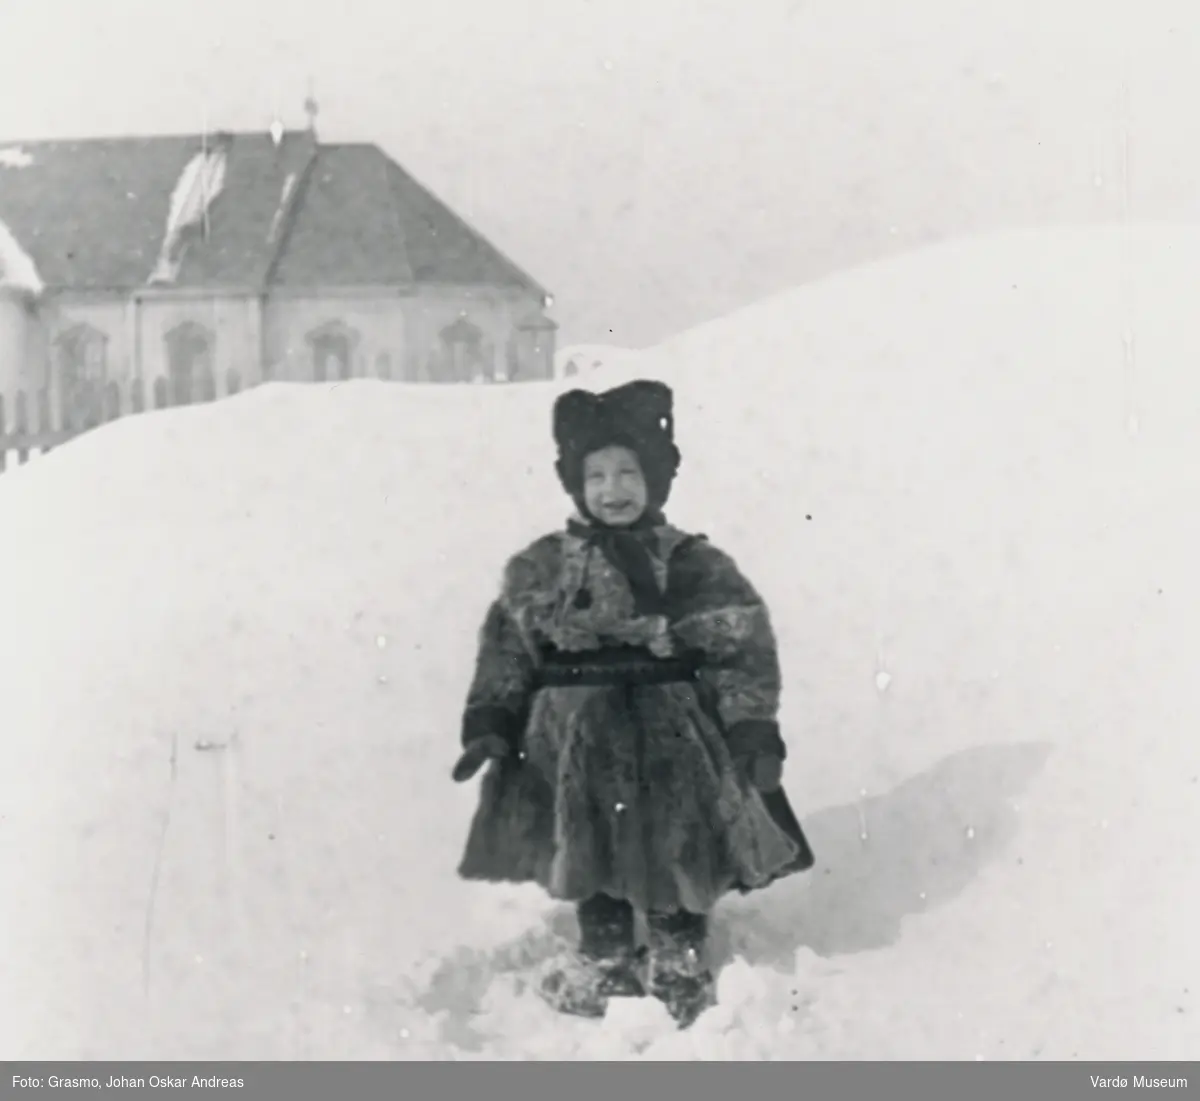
236,640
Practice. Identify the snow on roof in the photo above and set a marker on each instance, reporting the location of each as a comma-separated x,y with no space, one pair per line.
17,268
14,156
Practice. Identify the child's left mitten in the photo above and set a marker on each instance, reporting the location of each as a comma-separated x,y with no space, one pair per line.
758,752
764,772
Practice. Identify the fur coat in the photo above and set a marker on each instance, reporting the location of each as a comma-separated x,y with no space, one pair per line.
630,788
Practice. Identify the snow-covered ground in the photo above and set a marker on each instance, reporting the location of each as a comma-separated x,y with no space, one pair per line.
235,640
580,361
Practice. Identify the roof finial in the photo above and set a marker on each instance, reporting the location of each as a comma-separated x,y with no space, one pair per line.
277,128
311,109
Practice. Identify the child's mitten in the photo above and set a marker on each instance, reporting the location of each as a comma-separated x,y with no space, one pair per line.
758,751
490,733
764,772
491,747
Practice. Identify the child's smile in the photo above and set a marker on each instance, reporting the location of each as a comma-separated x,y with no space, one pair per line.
614,487
617,510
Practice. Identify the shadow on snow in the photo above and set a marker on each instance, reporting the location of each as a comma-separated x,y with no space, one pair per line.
926,841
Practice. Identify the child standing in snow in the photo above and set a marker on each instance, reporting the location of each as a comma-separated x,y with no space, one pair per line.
625,698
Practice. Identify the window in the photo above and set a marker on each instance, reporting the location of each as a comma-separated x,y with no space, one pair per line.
83,372
462,355
189,362
534,340
332,349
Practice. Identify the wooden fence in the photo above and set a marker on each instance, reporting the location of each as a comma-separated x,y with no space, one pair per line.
29,424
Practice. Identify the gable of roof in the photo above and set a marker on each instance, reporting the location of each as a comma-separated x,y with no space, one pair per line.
443,247
92,215
362,218
345,229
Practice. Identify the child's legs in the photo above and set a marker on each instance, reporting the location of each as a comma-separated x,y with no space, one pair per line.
606,927
679,974
609,957
678,927
677,943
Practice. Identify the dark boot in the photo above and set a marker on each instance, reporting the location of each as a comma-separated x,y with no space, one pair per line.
679,976
607,963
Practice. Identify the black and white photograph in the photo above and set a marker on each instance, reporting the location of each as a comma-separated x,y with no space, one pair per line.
599,531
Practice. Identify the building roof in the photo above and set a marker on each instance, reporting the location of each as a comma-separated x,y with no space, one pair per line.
93,214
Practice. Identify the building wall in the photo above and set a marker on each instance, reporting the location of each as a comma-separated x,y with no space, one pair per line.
395,335
133,333
232,323
398,335
53,317
106,315
16,329
374,321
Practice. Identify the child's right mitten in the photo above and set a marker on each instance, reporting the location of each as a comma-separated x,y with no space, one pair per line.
491,747
489,734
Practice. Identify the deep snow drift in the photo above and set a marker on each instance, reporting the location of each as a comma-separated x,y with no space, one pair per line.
580,361
236,638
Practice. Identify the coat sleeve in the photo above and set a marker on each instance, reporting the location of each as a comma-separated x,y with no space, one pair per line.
719,614
498,696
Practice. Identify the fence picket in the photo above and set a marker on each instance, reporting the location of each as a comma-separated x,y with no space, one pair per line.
22,427
112,402
66,422
34,413
45,424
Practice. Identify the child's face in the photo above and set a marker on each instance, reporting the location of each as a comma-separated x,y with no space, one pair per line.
614,488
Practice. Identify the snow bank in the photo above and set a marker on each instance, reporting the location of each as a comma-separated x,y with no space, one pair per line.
236,640
582,361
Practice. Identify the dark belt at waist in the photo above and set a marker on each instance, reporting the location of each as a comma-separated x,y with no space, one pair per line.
613,666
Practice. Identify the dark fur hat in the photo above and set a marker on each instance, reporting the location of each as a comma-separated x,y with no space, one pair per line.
638,415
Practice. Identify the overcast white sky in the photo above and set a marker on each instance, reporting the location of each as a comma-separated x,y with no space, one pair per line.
657,163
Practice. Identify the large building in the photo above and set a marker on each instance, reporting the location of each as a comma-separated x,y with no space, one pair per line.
204,261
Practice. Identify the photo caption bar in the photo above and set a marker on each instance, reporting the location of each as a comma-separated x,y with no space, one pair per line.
601,1081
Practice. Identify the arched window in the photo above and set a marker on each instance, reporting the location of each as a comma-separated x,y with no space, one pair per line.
82,352
533,348
189,362
332,348
462,353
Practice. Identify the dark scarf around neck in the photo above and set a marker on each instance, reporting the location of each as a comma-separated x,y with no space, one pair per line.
627,551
